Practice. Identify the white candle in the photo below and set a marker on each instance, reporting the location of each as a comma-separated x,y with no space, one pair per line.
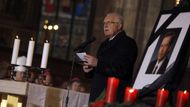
30,52
15,50
45,55
19,104
3,103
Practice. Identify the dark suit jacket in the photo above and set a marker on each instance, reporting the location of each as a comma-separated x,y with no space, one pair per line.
116,58
162,68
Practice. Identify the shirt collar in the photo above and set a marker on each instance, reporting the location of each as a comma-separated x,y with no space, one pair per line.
160,62
114,36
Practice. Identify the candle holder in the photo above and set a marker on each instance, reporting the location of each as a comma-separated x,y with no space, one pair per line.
34,74
11,72
42,77
28,73
42,70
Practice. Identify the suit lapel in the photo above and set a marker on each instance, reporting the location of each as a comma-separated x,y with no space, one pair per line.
163,66
103,47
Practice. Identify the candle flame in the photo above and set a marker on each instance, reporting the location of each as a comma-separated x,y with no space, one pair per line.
17,37
131,90
162,89
185,92
177,2
31,38
46,41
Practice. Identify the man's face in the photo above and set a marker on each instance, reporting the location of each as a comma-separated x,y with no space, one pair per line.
164,47
111,25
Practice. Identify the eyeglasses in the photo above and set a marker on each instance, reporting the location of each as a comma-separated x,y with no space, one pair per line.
109,22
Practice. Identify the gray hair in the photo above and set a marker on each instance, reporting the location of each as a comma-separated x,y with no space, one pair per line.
118,17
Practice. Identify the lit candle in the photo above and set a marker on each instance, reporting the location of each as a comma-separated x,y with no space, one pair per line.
15,50
112,85
130,95
45,55
30,52
3,103
182,98
162,97
19,104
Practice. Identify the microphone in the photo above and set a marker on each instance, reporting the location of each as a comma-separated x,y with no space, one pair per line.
84,44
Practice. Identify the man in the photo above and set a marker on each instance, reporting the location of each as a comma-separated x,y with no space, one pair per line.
115,58
158,66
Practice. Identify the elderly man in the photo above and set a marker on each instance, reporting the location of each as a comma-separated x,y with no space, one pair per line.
115,58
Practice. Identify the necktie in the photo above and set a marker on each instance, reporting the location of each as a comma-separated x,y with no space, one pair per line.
154,72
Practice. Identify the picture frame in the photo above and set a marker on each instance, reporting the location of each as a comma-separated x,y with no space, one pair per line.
168,21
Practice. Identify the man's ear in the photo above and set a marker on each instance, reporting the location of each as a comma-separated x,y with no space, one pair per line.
120,26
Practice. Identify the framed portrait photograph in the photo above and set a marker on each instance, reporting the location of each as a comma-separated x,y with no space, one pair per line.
162,52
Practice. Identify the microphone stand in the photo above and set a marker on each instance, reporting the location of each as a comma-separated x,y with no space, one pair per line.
71,74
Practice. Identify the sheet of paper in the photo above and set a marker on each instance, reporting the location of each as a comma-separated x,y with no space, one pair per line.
81,55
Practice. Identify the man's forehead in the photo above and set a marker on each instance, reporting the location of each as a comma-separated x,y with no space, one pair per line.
109,17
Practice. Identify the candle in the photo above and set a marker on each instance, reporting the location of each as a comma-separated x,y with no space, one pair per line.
3,103
182,98
30,52
45,55
112,85
15,50
19,104
162,96
130,95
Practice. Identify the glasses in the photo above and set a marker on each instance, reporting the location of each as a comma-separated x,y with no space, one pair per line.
109,22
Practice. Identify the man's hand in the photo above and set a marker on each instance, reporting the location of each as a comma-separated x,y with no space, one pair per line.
87,68
90,61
